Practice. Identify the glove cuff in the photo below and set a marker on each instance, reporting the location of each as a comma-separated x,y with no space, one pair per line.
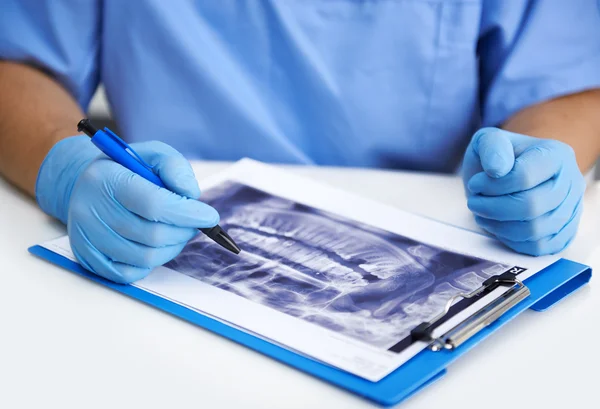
59,172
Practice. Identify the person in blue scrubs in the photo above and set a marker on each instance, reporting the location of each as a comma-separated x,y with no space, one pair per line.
506,91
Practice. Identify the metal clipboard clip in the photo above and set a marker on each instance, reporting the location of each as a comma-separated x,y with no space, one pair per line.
461,332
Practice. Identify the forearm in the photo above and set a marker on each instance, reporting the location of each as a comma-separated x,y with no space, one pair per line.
573,119
35,113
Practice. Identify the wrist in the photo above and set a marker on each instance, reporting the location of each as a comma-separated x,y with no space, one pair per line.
58,173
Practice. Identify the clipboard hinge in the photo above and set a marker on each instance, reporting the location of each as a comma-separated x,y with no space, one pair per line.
461,332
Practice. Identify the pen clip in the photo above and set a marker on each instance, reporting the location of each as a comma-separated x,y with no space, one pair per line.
127,148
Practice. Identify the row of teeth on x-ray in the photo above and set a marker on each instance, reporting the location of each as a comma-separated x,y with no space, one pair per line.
308,238
325,272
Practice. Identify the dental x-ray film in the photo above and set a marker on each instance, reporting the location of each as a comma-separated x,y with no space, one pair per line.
354,279
330,275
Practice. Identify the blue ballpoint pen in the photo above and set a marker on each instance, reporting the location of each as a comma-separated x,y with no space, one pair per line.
119,151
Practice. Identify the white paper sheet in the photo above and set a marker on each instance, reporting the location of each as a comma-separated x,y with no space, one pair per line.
323,272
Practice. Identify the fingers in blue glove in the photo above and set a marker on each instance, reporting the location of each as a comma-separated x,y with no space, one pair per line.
129,252
546,225
93,260
495,152
551,244
490,151
149,233
148,200
122,226
535,207
171,166
523,205
535,165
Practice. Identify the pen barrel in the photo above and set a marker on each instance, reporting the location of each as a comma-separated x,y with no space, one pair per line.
124,158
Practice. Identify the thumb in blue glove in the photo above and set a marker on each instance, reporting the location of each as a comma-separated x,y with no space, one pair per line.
120,225
525,191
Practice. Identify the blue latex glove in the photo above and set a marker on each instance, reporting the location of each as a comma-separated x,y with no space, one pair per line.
119,224
525,191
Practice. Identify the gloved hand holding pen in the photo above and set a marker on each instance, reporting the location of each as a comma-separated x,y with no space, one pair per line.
121,225
525,191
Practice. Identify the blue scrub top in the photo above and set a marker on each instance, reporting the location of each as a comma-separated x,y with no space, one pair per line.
380,83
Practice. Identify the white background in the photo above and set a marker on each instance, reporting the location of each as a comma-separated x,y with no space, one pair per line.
67,342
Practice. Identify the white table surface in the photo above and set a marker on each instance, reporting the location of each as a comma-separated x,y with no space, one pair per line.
67,342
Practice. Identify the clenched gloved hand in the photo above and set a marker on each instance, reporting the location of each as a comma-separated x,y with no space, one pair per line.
120,225
525,191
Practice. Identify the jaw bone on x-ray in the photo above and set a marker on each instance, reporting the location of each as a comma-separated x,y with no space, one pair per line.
354,279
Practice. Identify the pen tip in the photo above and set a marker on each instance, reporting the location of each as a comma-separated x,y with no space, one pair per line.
221,237
228,242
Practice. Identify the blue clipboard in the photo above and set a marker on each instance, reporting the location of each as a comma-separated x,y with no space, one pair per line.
547,287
